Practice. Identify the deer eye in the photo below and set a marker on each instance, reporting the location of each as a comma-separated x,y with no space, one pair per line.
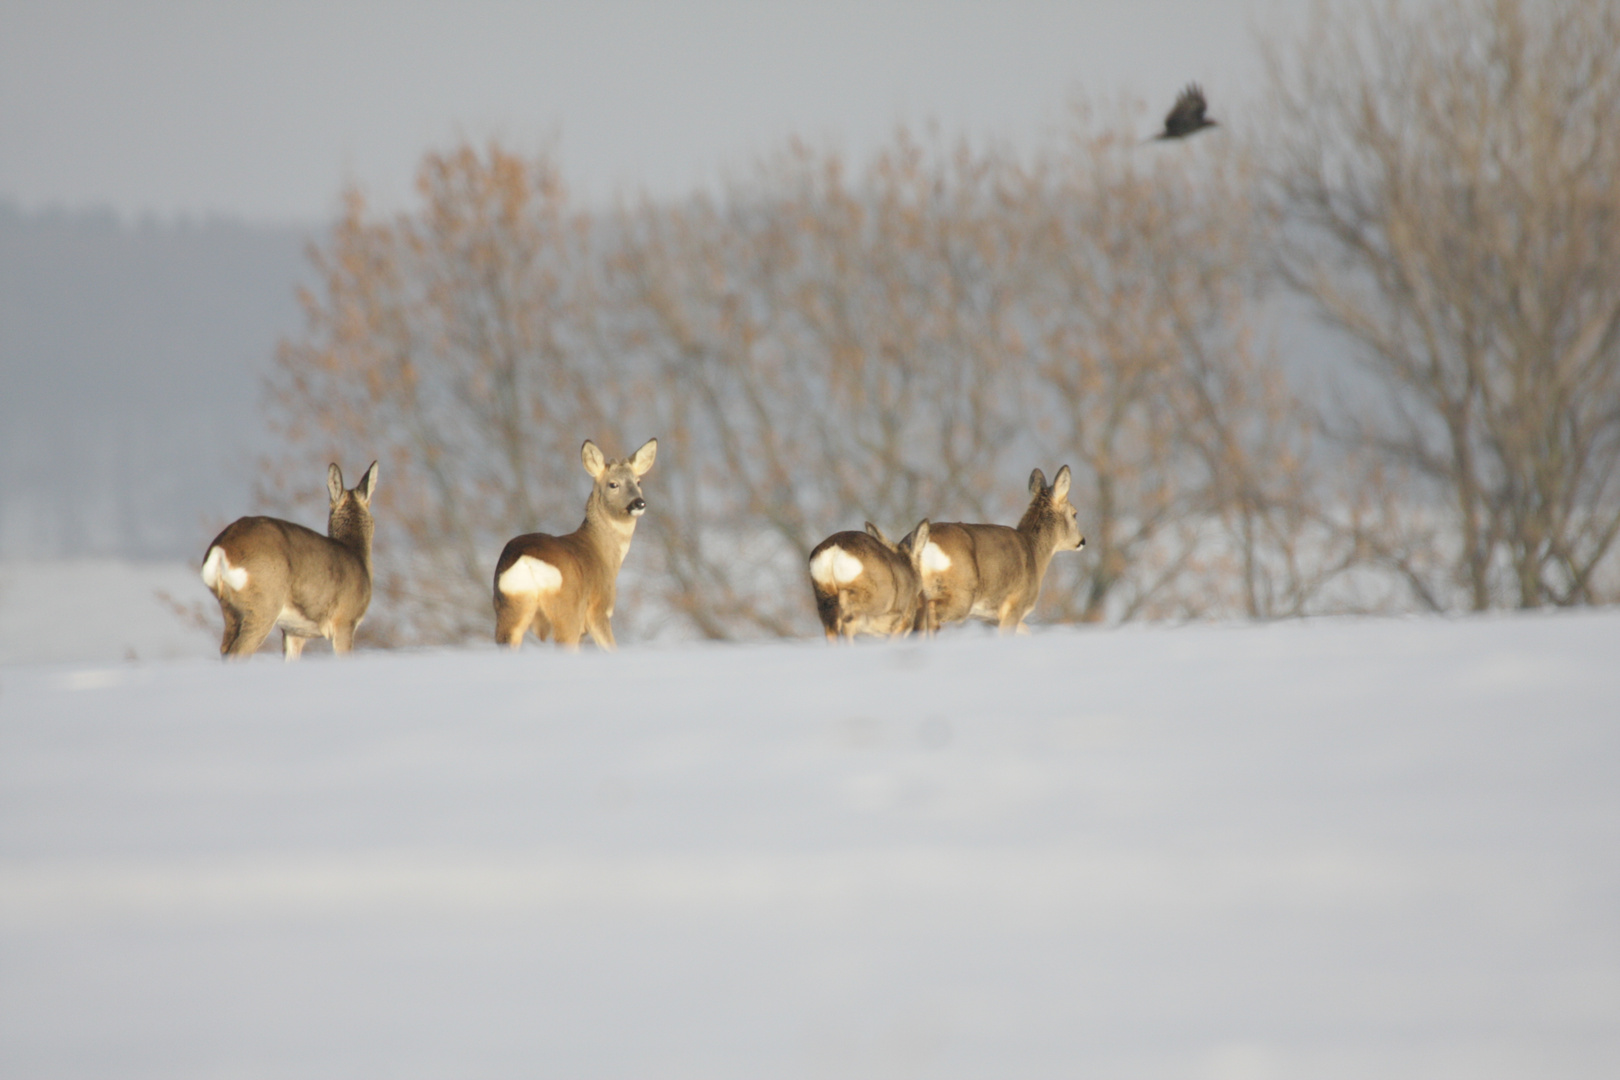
613,485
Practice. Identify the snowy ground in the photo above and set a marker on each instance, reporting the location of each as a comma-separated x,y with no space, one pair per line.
1339,849
102,609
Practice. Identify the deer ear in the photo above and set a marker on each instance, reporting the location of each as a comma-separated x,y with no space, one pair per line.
643,458
877,534
919,538
367,486
1037,482
1060,485
334,482
591,456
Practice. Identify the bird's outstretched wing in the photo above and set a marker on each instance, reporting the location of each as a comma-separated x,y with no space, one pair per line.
1187,115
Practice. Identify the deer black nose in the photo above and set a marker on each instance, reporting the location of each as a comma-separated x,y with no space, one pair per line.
639,506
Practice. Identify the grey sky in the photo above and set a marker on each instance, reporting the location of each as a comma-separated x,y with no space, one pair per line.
265,111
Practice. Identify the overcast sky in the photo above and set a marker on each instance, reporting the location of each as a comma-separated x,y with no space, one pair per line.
265,111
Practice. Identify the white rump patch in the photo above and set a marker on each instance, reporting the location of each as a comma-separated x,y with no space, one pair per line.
530,576
934,559
834,566
217,568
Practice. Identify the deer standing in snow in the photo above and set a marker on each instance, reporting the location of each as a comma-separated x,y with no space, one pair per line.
266,573
866,584
564,586
993,572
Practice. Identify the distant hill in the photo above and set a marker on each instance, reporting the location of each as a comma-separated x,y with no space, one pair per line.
131,363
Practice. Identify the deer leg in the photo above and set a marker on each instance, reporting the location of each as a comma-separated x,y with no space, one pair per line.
233,627
292,646
1011,618
255,626
601,630
512,621
950,606
846,617
343,637
930,620
566,629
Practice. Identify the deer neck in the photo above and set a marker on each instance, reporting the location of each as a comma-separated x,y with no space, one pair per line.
610,535
352,530
1040,536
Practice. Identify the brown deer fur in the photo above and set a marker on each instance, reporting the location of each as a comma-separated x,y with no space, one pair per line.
266,573
564,586
864,583
993,572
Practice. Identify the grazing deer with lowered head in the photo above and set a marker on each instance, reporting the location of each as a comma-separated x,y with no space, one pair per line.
992,572
564,586
266,573
867,584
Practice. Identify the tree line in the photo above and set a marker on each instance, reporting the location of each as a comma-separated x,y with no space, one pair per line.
822,342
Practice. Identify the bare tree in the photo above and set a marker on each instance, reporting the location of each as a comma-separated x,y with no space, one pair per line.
910,340
816,346
1450,185
454,343
1192,451
831,358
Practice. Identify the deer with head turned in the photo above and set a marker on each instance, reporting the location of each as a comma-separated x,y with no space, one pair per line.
564,586
992,572
865,583
269,573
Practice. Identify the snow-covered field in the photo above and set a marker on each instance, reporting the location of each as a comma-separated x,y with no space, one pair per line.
1334,849
102,609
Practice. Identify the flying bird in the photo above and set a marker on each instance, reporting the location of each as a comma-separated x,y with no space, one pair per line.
1186,116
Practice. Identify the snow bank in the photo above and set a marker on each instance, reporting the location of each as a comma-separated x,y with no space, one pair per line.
1325,849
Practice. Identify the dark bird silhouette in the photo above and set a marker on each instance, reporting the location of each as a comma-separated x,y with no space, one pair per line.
1187,115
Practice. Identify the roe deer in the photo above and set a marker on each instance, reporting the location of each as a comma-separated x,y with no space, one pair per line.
266,573
564,586
992,572
867,584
